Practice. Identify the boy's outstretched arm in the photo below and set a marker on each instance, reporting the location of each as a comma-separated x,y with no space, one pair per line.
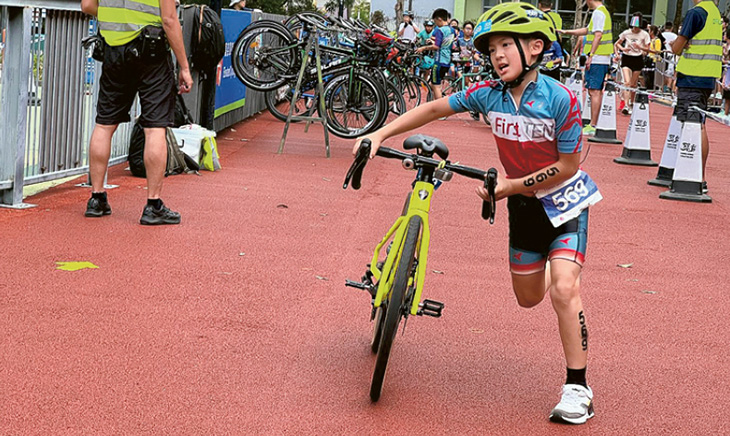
553,174
412,119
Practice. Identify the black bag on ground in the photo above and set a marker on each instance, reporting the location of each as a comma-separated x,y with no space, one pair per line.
209,44
177,161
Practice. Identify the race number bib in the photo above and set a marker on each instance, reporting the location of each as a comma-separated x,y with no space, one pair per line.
566,201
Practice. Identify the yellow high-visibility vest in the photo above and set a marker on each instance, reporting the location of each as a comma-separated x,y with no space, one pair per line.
120,21
703,55
605,46
556,20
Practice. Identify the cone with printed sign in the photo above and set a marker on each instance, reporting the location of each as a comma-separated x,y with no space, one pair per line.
637,147
669,155
687,176
575,84
606,126
586,113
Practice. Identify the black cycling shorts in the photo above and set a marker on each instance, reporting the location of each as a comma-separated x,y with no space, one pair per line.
634,63
530,228
124,74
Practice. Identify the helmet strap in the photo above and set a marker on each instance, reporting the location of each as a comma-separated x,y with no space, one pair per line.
525,68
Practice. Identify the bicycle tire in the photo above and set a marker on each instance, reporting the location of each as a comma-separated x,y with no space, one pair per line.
353,117
280,108
414,90
396,301
264,56
396,102
378,327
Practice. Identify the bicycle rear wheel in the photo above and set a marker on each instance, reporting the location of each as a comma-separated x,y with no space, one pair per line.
265,56
396,304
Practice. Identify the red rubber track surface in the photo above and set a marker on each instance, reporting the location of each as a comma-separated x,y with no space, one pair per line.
237,321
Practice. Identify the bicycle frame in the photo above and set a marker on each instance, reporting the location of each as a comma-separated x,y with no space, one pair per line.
418,205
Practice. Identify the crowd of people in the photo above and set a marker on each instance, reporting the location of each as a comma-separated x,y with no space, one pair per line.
641,55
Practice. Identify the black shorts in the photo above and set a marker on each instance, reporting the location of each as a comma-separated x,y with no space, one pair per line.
687,97
634,63
726,94
529,226
124,74
438,72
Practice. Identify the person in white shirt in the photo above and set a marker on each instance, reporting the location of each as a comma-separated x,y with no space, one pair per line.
632,44
669,58
407,29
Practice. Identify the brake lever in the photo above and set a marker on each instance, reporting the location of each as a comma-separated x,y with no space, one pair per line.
358,165
489,207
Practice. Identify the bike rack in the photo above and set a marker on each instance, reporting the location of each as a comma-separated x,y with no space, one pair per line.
312,45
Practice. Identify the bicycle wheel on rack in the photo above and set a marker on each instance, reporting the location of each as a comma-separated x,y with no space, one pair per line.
278,102
449,85
354,105
265,56
396,102
416,91
396,302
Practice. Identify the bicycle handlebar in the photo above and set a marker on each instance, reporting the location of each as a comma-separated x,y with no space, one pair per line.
354,174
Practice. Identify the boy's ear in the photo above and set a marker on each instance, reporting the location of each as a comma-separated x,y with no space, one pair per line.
536,46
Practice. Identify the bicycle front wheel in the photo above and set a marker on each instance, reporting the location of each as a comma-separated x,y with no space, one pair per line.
396,304
278,102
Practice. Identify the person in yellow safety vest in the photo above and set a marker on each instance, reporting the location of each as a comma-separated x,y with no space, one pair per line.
136,60
598,49
699,45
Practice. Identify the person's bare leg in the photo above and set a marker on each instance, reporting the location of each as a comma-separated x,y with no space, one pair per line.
596,102
155,160
99,151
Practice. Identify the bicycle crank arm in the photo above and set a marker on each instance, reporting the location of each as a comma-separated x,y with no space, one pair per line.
430,308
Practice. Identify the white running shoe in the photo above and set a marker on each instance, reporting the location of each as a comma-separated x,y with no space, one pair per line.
575,406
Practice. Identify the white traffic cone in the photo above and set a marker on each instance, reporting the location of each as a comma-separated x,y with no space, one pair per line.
687,177
637,148
669,155
586,113
606,126
575,84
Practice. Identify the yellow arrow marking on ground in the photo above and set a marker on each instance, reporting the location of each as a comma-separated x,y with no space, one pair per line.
75,266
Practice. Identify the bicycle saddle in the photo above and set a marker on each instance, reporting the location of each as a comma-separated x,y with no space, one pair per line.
427,146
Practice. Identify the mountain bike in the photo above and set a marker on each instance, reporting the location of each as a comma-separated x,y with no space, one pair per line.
395,284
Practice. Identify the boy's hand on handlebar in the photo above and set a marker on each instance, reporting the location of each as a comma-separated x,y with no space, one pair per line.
374,145
502,190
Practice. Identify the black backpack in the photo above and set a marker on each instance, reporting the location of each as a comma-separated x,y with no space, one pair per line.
177,161
209,44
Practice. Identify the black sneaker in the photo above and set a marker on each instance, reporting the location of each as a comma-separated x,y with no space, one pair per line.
96,208
163,215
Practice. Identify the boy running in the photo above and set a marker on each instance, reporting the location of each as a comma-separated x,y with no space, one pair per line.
536,122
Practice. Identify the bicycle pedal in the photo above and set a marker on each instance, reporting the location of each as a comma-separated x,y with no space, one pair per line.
430,308
365,286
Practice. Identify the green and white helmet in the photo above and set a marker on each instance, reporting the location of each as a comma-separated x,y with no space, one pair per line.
516,19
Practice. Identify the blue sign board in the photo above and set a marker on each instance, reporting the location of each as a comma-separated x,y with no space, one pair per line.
230,93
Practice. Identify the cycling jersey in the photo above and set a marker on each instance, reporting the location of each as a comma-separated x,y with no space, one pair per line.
443,38
529,138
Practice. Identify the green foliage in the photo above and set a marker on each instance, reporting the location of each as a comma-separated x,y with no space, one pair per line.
378,18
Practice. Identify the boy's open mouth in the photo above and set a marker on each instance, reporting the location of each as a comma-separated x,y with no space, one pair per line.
502,67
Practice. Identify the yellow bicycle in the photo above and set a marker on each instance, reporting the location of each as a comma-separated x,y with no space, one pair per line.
395,284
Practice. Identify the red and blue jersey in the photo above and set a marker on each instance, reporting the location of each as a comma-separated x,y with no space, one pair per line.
529,137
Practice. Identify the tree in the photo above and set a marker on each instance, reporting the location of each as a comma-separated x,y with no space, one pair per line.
378,18
361,10
399,11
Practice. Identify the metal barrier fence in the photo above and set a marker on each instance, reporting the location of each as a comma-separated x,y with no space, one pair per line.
49,92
